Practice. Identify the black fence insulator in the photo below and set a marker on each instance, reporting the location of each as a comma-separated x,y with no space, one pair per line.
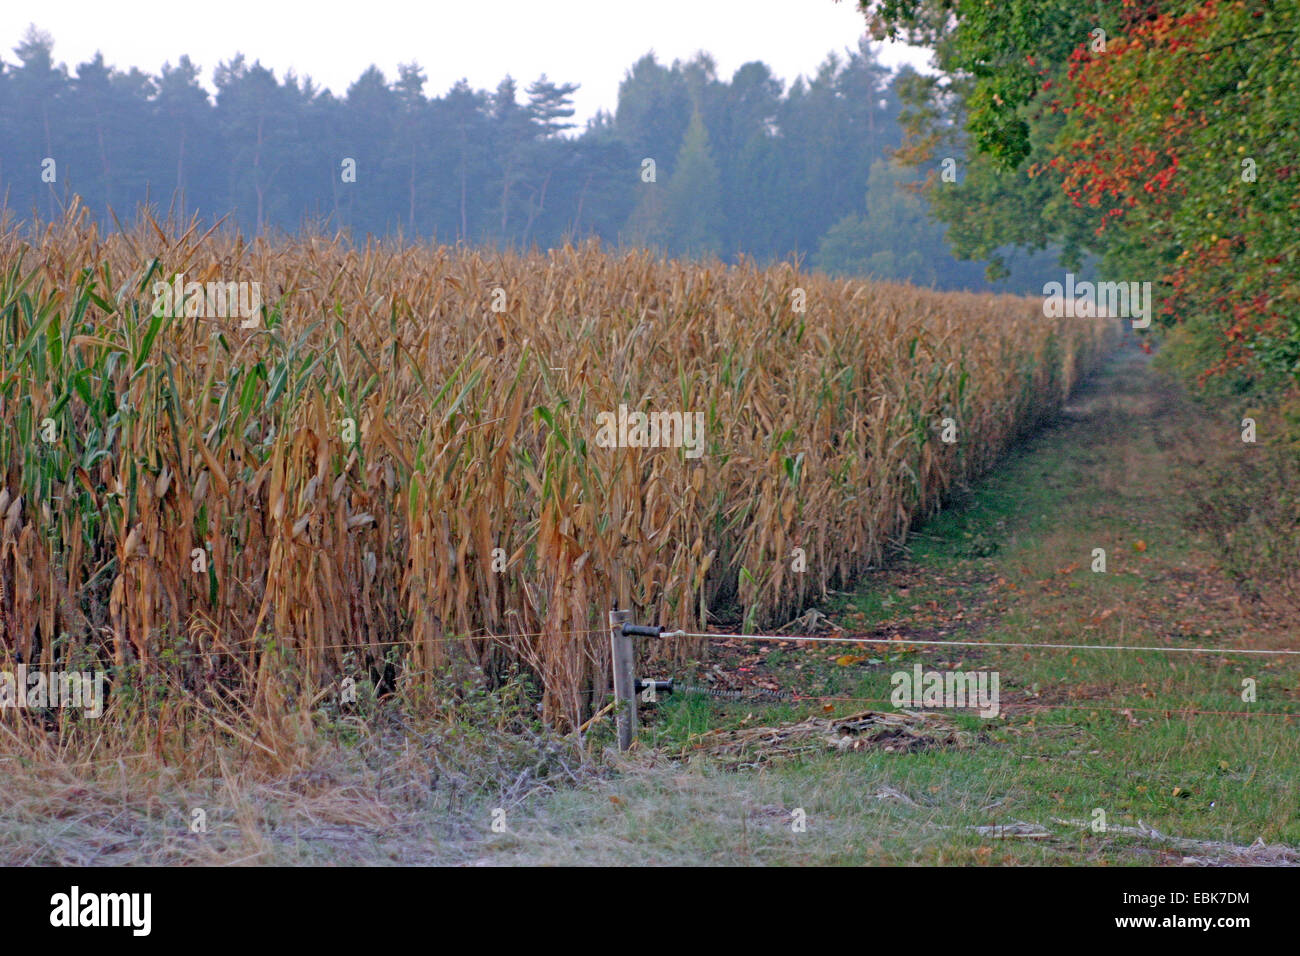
641,630
661,686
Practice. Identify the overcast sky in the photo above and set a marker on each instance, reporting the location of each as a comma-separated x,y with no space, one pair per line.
591,42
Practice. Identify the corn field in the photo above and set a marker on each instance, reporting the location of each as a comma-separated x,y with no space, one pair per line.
398,461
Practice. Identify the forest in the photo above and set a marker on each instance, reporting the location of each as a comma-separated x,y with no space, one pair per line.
688,162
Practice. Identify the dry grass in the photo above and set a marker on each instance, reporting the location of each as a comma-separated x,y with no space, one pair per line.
474,431
385,784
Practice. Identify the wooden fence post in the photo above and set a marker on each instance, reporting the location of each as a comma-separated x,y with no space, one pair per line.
623,660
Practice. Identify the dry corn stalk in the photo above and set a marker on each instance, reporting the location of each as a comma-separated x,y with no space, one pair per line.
385,462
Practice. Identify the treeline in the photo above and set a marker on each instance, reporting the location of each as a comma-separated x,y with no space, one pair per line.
688,162
1159,137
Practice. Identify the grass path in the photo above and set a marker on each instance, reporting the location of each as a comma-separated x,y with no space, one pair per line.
1083,737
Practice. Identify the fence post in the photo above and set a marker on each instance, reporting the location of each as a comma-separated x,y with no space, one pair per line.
623,661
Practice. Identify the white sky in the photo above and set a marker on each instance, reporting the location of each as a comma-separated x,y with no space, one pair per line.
592,42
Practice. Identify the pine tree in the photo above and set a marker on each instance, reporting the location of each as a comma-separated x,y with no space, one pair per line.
693,199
